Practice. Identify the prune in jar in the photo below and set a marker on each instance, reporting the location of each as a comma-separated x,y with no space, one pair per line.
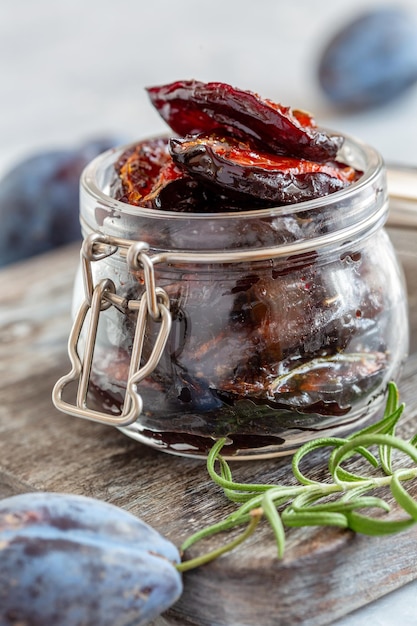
148,176
192,107
237,166
236,152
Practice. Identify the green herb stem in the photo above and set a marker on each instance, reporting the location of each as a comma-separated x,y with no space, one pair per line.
338,501
255,516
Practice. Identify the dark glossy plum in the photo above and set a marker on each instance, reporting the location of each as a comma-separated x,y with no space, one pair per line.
235,152
372,60
235,166
147,176
39,201
75,561
191,107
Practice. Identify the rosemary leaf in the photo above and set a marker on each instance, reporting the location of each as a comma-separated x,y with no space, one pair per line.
343,499
402,496
290,517
271,514
376,526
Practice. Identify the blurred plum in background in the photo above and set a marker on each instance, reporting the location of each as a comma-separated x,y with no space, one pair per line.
371,60
39,200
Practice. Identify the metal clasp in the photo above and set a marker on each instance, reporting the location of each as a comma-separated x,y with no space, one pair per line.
153,303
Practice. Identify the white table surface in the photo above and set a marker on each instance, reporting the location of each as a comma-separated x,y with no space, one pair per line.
74,70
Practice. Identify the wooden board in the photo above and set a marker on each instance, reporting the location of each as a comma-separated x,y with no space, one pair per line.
325,573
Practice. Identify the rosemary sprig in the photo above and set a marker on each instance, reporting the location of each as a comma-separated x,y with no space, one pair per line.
343,500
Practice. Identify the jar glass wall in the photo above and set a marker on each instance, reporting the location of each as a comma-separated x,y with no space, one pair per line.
287,323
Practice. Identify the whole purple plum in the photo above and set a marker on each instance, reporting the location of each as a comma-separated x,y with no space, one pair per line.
75,561
39,200
371,60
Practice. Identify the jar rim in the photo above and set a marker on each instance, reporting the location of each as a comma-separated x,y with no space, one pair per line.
371,157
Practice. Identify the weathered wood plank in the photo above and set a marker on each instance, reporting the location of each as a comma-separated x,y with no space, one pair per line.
325,573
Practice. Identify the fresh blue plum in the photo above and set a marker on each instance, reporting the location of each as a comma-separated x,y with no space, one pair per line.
39,203
372,60
76,561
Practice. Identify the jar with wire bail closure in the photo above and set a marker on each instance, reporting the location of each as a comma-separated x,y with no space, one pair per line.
269,327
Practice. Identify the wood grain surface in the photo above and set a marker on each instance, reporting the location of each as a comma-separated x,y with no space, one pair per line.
325,574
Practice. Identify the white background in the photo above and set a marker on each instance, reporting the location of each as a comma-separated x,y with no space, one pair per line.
74,70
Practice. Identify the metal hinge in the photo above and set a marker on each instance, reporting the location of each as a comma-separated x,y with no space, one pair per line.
154,304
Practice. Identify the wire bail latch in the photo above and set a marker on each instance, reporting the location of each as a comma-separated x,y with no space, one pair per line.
153,303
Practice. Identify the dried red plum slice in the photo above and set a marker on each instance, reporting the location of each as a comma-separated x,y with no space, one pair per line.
148,177
185,194
236,166
193,107
337,377
138,169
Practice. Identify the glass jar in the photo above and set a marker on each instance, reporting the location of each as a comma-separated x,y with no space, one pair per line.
267,327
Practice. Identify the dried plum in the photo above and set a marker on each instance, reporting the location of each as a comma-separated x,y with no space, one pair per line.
147,176
235,152
332,380
237,166
193,107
